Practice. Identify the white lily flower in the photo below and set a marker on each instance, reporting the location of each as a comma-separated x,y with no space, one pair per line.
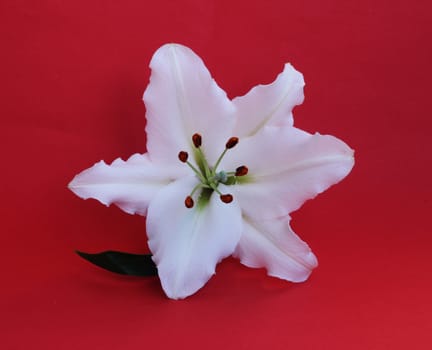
207,197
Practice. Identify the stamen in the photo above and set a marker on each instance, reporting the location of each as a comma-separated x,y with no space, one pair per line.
196,171
209,177
200,185
189,203
183,156
232,142
205,166
226,198
241,171
219,159
197,140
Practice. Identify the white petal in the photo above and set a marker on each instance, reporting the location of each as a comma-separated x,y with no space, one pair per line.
188,243
287,166
269,104
272,244
130,185
182,99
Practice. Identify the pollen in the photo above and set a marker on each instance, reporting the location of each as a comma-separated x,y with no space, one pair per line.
226,198
197,140
241,171
189,202
232,142
183,156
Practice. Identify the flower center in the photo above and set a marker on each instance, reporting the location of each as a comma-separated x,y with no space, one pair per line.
209,176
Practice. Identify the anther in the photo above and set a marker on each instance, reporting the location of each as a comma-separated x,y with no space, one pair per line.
183,156
189,203
197,140
241,171
226,198
232,142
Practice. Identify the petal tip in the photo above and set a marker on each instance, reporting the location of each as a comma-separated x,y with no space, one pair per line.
289,68
73,186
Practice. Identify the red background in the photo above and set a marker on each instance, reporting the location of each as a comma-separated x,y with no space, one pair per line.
72,77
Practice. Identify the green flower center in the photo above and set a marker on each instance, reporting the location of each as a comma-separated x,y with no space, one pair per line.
209,176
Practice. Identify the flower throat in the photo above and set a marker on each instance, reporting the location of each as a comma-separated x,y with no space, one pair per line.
209,176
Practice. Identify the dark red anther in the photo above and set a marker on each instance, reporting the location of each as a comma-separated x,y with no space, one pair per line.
197,140
189,203
232,142
183,156
226,198
241,171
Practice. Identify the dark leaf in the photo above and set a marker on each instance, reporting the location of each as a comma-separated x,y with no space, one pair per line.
122,263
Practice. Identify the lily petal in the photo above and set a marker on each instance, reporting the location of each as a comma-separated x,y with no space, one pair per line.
130,185
188,243
269,104
287,166
182,99
272,244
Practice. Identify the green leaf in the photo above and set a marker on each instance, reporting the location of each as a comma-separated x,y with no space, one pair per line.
122,263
